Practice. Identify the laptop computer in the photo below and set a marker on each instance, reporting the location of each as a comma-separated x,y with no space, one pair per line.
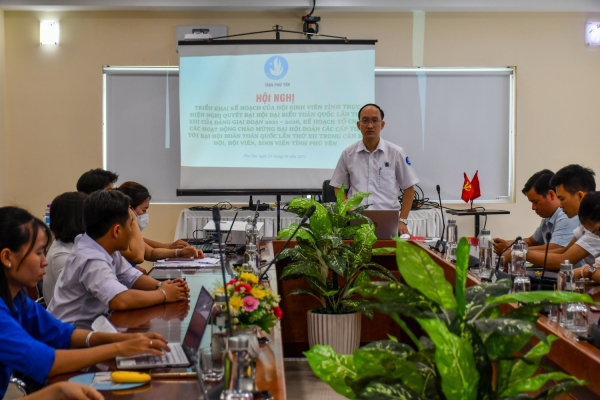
181,354
385,221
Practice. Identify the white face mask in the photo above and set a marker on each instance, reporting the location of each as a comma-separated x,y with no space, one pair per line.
143,221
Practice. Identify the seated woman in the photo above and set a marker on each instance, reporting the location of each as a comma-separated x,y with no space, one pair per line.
66,214
140,202
32,341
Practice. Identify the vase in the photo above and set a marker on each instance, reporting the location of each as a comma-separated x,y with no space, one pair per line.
249,330
340,331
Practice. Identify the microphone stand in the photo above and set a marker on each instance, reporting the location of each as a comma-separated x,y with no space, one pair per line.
440,242
217,221
307,215
548,237
495,270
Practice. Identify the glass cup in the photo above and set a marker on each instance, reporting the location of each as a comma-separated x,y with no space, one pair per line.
521,284
211,363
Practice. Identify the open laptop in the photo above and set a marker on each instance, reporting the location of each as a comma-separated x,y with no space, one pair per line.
181,353
385,221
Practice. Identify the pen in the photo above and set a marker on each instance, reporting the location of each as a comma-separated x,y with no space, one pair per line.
379,171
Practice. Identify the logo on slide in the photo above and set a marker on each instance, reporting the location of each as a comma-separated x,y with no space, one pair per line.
276,67
408,161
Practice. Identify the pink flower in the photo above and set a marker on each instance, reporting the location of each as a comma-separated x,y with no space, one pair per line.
250,303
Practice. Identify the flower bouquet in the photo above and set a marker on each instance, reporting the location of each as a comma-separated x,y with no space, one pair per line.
251,303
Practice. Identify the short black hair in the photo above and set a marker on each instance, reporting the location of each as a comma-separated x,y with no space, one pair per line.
371,104
66,216
589,209
574,178
137,192
540,182
95,179
104,208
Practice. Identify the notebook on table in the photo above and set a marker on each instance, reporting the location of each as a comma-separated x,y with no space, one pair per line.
181,353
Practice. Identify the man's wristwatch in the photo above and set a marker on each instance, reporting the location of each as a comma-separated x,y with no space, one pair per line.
591,271
404,221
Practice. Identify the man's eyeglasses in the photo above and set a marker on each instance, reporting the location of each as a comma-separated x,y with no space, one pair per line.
369,121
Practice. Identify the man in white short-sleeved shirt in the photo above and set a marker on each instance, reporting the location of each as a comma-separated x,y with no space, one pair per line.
574,185
377,166
96,277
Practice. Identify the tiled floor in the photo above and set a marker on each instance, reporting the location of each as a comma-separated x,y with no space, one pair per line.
302,384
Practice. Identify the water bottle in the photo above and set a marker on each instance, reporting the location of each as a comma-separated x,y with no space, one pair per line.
218,324
240,367
518,258
565,281
47,215
451,240
486,253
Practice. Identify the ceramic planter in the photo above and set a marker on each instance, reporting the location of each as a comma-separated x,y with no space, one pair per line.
340,331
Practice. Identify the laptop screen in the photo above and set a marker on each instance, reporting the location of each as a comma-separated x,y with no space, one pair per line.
199,320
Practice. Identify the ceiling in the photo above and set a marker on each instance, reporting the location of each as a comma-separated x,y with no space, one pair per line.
305,5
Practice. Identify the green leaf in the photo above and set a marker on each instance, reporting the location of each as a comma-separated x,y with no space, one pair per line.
300,269
320,222
339,199
454,361
285,233
523,370
349,231
364,239
499,346
537,382
336,263
299,205
362,278
462,266
316,285
382,391
419,271
477,295
542,295
332,368
482,363
352,202
376,274
508,327
383,251
561,388
393,293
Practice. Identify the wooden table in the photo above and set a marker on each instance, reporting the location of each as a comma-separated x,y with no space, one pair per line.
171,320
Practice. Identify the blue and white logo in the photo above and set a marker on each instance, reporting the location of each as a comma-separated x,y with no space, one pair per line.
276,67
408,161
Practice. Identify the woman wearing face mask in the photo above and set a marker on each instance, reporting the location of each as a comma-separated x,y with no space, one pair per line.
32,341
140,202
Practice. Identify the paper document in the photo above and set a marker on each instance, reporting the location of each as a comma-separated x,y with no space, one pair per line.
187,263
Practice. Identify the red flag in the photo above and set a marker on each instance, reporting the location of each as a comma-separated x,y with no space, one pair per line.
467,190
475,185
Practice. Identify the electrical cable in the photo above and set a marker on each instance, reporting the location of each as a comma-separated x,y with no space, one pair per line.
313,9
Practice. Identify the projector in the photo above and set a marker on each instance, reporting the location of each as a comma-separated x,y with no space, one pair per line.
238,232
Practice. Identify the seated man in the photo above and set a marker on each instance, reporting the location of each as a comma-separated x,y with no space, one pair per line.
546,204
573,184
96,179
376,166
96,277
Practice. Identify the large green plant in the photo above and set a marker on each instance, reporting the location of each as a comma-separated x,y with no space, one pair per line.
331,267
470,351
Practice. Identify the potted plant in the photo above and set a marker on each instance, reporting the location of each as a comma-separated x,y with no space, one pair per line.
332,267
470,351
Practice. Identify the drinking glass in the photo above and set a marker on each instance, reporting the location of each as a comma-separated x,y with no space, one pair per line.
211,363
521,284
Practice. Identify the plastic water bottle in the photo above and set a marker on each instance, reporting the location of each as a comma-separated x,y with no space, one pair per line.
451,239
518,258
47,215
218,323
565,282
486,253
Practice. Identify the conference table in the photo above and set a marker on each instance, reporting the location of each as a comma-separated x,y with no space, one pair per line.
171,321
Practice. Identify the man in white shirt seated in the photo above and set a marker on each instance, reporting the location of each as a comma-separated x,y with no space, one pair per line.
96,277
546,204
377,166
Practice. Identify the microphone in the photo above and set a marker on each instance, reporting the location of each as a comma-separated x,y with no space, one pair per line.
548,237
230,228
495,270
217,221
440,243
307,215
255,220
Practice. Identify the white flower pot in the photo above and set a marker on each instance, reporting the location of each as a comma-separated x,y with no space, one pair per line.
340,331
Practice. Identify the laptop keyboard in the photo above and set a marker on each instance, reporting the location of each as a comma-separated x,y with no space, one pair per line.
175,356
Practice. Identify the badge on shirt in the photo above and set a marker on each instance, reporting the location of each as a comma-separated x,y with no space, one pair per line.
387,164
408,161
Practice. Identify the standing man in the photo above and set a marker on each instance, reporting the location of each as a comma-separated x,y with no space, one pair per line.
377,166
546,204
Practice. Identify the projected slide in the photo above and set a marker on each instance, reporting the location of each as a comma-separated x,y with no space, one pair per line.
279,110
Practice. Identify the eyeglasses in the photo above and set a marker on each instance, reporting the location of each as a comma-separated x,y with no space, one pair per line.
369,121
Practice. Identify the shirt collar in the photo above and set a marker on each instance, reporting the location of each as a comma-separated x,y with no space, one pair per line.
552,220
380,146
92,249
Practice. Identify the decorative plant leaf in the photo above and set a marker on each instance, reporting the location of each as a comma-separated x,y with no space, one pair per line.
336,263
508,327
482,362
454,361
352,202
523,370
320,221
383,250
504,368
394,293
563,387
316,285
381,391
419,271
376,274
542,295
332,368
462,266
299,205
476,296
499,346
364,239
348,231
285,233
536,382
301,268
383,270
359,305
400,350
339,200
